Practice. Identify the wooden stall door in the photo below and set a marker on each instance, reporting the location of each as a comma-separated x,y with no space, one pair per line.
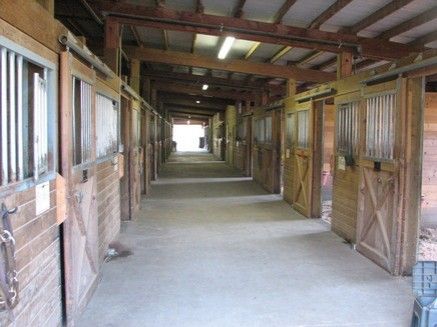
303,160
378,219
377,215
78,153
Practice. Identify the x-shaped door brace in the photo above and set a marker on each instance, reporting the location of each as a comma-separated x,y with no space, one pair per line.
302,175
377,205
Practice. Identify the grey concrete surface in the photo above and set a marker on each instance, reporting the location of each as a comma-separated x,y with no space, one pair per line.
212,248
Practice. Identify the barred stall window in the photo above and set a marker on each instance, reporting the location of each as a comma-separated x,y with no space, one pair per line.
107,126
380,126
347,128
303,129
24,117
260,131
82,119
290,129
268,132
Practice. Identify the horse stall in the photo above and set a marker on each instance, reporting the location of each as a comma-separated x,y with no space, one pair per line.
29,183
375,188
266,148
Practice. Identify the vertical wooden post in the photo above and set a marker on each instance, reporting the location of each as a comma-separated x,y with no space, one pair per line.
291,88
135,75
344,64
112,45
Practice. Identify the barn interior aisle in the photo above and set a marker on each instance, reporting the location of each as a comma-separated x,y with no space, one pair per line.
212,248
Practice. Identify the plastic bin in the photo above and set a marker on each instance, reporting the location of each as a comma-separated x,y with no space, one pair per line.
425,289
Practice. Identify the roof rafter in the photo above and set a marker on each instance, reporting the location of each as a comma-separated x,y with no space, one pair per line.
381,13
276,20
418,20
165,18
328,13
233,65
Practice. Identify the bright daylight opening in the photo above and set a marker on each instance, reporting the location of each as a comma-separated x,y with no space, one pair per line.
187,137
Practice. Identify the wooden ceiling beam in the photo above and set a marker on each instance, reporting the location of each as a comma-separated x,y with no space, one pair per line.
233,65
328,13
375,17
190,111
425,39
187,89
200,80
276,20
238,12
418,20
165,18
310,56
278,55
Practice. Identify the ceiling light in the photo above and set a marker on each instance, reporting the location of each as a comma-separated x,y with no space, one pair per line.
226,46
188,122
197,101
205,87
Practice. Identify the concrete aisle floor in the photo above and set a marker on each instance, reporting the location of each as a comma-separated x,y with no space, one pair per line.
211,248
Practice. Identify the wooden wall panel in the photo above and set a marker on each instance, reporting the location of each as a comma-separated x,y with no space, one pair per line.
429,170
38,261
108,205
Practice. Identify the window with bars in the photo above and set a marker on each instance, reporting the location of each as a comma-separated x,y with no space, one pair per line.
82,121
24,117
260,130
290,129
107,126
347,128
380,126
303,129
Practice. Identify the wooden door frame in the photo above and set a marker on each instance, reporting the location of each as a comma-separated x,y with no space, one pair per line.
71,67
308,152
125,133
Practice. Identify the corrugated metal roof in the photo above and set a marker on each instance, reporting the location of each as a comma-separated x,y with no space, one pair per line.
180,41
151,37
221,8
403,14
303,12
262,10
353,13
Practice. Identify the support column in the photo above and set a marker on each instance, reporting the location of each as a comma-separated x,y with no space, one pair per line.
344,65
112,45
135,75
291,88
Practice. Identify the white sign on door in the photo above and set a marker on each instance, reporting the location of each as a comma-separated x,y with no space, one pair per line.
42,197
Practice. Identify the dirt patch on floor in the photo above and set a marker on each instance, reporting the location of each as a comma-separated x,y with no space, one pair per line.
427,244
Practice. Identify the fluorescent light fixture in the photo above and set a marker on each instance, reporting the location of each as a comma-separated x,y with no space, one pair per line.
197,101
205,87
226,46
